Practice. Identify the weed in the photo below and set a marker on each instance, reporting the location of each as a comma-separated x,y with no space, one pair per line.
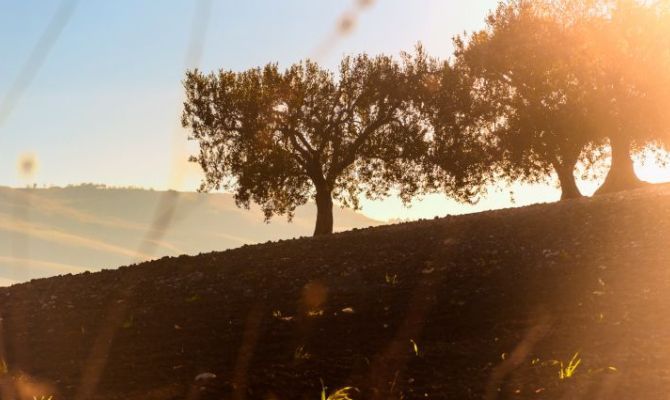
129,322
301,354
415,347
192,299
340,394
569,371
391,279
278,314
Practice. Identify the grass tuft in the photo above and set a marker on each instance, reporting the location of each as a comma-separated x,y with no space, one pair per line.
340,394
568,371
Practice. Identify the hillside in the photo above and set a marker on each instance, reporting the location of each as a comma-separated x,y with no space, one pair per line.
45,232
490,305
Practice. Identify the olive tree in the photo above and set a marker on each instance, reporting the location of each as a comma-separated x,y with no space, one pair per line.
280,138
530,76
630,47
459,157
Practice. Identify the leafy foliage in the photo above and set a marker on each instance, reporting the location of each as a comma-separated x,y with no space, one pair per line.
280,138
531,74
632,50
543,87
457,162
561,78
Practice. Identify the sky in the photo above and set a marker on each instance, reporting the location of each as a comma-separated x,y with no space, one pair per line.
105,103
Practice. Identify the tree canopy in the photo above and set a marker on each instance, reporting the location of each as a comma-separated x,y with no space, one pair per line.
280,138
458,158
561,79
630,47
545,86
530,72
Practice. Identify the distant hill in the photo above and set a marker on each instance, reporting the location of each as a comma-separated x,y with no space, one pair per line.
45,232
557,301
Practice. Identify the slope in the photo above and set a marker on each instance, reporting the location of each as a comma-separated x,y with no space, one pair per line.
492,305
45,232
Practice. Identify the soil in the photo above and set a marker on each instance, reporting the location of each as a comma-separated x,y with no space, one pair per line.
492,305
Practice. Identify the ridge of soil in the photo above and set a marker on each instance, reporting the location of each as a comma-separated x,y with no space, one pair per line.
491,305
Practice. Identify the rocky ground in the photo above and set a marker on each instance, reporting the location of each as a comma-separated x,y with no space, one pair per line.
493,305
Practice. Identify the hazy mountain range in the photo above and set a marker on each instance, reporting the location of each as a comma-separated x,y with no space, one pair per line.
45,232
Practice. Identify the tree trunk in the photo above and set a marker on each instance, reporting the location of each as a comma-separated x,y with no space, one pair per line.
565,169
324,212
621,175
566,178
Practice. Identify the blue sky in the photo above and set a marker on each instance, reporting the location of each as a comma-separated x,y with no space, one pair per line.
104,107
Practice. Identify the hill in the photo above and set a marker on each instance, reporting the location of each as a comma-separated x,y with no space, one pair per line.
493,305
45,232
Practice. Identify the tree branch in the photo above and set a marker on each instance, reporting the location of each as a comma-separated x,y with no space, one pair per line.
352,151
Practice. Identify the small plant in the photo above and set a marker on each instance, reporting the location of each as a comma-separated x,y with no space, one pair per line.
128,323
340,394
301,354
192,299
415,347
569,371
4,369
278,314
391,279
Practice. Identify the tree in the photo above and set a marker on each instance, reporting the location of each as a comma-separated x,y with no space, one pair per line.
458,158
530,75
281,138
631,50
563,78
